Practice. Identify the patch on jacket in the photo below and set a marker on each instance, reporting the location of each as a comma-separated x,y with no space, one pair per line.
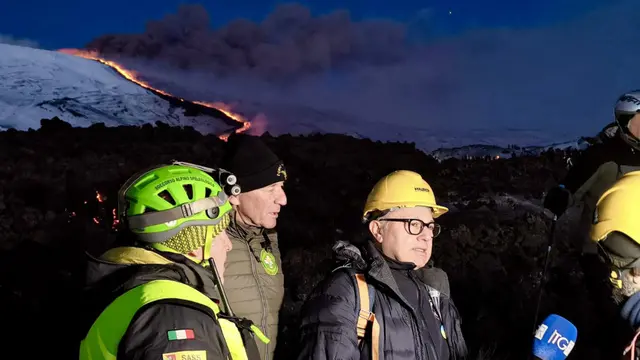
184,334
268,262
186,355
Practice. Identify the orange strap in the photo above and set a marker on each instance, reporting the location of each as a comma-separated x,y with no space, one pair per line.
365,317
375,339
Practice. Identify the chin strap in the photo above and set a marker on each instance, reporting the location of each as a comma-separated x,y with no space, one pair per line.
206,251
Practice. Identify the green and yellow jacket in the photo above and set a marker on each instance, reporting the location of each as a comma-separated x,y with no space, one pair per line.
146,304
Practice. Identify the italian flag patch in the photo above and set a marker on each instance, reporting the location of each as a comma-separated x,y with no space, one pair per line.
184,334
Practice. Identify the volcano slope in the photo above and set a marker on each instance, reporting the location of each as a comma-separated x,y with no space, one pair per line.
58,190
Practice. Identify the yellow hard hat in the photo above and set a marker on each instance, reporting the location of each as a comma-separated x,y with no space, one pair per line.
618,209
401,188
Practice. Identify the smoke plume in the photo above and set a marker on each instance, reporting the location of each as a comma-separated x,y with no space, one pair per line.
328,73
288,43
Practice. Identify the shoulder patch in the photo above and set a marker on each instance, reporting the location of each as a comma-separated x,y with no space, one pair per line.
186,355
184,334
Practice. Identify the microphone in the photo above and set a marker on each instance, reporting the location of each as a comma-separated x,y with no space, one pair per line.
554,339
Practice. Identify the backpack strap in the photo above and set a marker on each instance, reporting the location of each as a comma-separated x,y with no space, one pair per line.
366,316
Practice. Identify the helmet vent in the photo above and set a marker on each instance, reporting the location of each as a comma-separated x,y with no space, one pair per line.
164,194
188,188
207,192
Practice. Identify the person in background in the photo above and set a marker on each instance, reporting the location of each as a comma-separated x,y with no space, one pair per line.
376,304
598,167
615,231
254,279
158,299
590,174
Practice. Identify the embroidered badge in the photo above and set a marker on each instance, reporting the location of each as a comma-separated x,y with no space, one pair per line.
184,334
281,172
186,355
268,262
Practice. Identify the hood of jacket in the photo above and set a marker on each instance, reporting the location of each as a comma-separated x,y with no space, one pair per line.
123,268
368,259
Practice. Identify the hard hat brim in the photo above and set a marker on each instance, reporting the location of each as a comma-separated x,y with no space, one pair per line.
438,210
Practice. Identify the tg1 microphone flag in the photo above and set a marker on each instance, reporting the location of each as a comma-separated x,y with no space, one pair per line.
555,338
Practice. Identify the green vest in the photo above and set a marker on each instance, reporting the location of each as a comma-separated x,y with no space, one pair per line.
103,338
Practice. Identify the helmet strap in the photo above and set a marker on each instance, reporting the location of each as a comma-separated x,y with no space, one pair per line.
206,251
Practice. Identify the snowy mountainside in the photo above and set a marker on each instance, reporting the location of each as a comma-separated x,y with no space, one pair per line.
278,114
36,84
441,144
494,151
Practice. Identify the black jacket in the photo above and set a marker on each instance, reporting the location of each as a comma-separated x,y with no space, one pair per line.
122,269
610,150
328,319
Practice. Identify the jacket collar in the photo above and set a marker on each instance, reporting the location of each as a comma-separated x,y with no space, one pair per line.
242,231
126,267
368,259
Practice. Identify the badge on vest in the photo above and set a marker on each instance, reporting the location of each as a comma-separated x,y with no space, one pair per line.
268,262
186,355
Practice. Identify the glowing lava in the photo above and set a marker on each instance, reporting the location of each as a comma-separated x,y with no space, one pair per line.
132,76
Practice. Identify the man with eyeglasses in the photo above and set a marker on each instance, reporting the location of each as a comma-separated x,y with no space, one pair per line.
406,318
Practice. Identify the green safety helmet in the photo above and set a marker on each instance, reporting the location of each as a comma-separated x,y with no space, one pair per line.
156,204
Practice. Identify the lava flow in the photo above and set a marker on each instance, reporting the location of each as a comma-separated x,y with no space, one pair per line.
132,76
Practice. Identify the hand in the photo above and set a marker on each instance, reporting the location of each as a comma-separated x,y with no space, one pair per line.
557,200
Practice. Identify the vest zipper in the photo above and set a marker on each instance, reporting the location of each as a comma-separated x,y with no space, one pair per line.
420,319
262,298
413,317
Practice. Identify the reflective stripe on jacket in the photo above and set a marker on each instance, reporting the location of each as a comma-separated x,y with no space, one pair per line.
104,336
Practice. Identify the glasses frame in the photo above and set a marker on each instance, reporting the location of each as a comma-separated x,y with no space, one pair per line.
436,229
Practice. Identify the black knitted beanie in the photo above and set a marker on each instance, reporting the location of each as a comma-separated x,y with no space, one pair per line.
253,163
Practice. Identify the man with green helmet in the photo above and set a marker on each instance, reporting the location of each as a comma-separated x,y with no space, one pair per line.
160,298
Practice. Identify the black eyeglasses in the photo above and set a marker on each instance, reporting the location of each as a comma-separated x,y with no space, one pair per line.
415,226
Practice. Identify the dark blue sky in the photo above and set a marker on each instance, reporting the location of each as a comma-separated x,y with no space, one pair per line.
73,23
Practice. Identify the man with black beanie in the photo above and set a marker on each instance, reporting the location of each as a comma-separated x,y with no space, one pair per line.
253,276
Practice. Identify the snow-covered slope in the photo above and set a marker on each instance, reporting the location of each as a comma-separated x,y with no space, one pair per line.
36,84
497,152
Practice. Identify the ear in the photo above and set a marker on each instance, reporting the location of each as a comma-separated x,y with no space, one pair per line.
234,200
376,230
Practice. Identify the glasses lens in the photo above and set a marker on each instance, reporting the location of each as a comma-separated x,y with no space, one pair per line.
416,226
436,229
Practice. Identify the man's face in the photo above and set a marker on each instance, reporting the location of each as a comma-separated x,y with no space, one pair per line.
630,282
260,207
397,243
634,126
